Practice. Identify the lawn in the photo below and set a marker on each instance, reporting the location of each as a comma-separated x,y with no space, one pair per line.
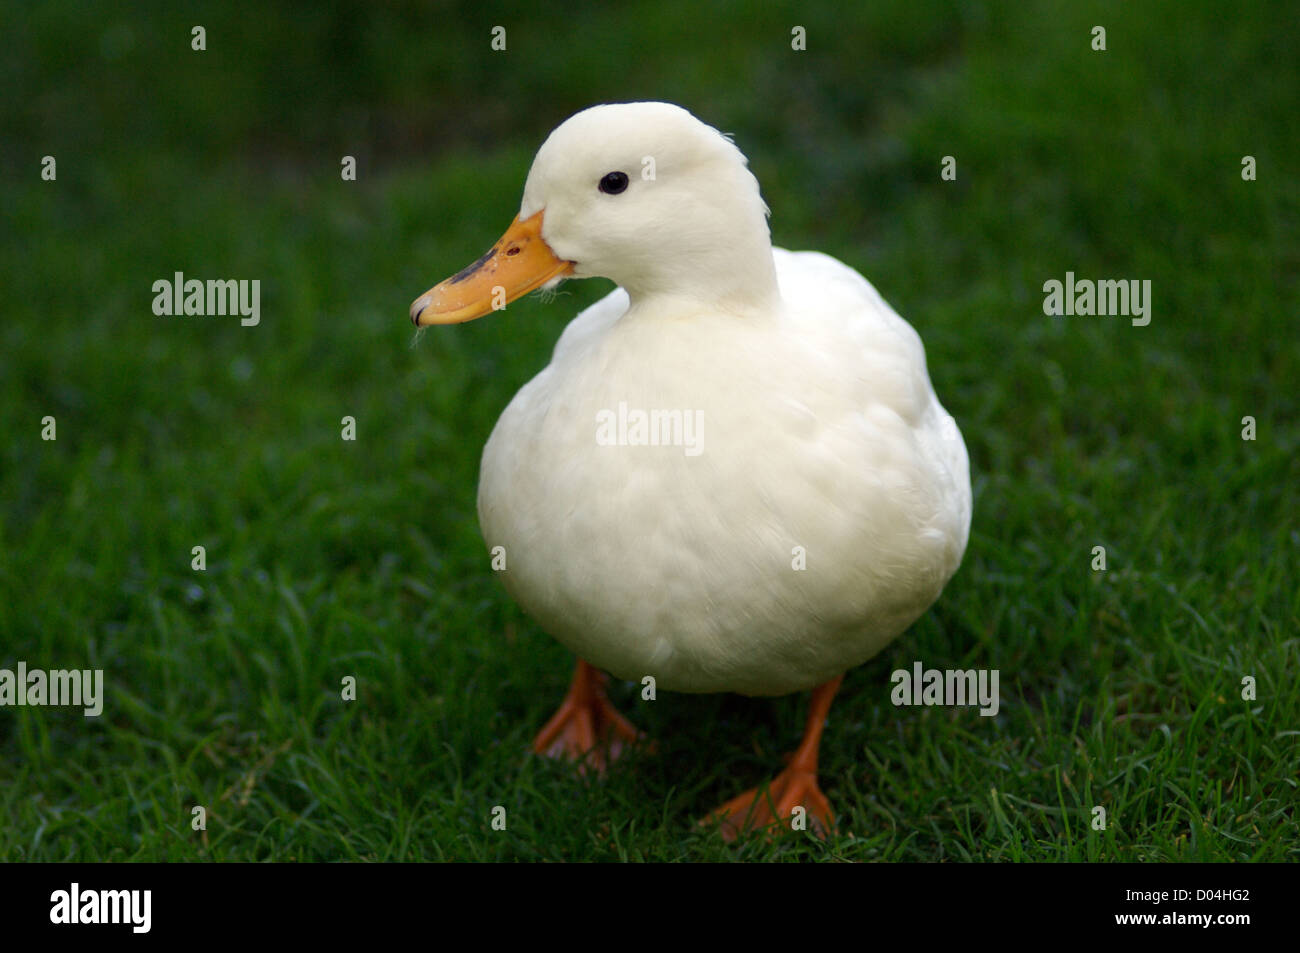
328,558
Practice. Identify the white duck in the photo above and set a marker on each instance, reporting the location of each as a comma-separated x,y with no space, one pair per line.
734,475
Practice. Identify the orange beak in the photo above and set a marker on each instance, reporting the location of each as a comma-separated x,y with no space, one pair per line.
514,266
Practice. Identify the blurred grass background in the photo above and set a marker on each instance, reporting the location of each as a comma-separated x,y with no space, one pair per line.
328,558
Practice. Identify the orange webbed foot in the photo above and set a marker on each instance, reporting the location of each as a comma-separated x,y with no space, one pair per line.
587,728
773,808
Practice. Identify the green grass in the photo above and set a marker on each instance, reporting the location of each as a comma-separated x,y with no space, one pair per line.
328,558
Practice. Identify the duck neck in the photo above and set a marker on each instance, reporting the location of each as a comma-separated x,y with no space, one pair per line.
736,274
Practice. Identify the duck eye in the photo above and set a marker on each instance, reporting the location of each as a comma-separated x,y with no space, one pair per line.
614,183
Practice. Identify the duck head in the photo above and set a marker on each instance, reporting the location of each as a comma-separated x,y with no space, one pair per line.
642,193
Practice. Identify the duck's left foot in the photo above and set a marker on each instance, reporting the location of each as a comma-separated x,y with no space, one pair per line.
587,728
776,807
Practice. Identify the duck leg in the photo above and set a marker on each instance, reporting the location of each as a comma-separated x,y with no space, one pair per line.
796,786
587,727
